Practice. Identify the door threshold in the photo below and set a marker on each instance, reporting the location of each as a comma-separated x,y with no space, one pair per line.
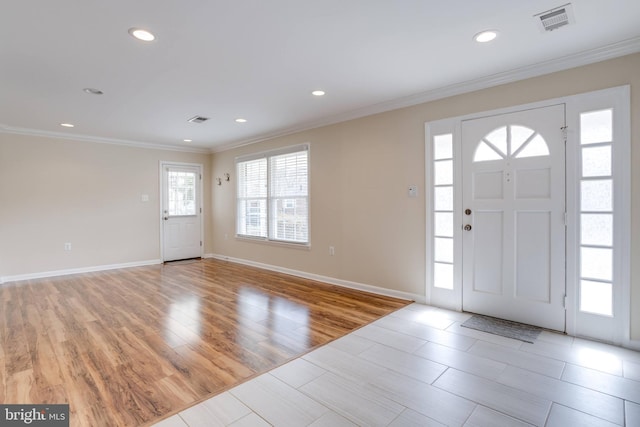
182,261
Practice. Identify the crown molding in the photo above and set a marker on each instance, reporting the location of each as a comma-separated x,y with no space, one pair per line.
611,51
98,140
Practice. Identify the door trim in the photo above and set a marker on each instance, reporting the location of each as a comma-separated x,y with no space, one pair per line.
617,98
162,165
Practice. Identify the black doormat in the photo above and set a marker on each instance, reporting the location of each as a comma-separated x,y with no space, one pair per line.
504,328
183,261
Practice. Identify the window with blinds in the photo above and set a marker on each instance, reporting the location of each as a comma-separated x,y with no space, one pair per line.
273,195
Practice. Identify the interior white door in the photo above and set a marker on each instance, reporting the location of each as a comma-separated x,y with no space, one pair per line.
514,216
181,212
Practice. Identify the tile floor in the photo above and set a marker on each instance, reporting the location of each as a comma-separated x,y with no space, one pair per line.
419,367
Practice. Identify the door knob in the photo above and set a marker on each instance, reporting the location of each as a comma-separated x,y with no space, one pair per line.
467,227
166,218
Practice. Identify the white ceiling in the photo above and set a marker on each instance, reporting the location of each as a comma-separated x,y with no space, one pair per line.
260,60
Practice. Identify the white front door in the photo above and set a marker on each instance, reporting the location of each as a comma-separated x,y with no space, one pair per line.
181,211
513,169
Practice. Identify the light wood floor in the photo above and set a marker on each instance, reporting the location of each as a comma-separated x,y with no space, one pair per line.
127,347
420,367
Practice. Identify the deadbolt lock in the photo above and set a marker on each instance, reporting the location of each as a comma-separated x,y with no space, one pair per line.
467,227
467,211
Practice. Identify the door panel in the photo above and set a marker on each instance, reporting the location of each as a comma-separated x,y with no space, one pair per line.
488,185
488,262
532,256
533,184
514,242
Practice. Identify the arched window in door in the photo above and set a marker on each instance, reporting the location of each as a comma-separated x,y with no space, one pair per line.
512,141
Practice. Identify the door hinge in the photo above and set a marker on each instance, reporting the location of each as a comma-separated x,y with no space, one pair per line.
564,301
566,219
200,177
564,130
200,242
200,210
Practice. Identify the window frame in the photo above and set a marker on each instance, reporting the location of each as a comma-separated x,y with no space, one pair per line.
615,328
271,222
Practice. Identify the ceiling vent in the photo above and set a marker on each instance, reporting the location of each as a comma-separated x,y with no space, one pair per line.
198,119
555,18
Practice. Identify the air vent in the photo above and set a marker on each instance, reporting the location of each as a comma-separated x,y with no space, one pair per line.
555,18
198,119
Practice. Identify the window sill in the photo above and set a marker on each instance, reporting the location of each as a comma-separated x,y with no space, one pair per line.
291,245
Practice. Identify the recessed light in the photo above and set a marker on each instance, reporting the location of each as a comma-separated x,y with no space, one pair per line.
241,120
141,34
318,93
93,91
485,36
188,140
66,125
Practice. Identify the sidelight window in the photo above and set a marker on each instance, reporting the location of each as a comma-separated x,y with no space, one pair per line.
596,212
442,205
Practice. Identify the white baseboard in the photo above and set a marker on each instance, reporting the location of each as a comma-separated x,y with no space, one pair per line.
326,279
41,275
632,344
305,275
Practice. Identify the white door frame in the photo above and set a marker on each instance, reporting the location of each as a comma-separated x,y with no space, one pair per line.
618,98
163,164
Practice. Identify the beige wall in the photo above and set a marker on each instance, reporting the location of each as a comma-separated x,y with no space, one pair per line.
54,191
360,171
